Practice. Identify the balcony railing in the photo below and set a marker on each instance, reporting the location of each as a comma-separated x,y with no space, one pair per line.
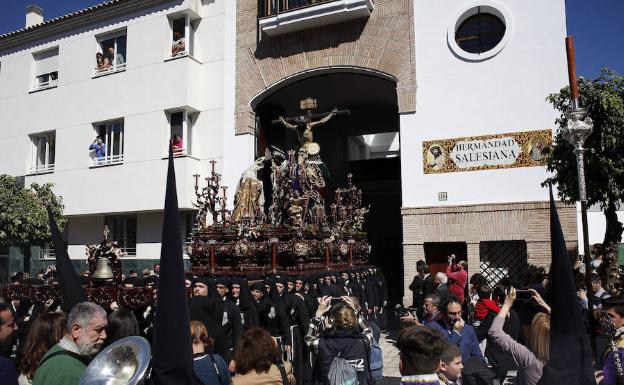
273,7
107,160
112,68
47,253
47,84
130,251
42,168
277,17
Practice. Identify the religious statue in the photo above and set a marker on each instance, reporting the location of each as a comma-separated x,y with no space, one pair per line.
303,128
249,198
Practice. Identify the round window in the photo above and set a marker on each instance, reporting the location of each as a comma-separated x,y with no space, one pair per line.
480,32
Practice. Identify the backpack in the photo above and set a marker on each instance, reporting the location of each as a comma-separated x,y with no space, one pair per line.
342,373
376,361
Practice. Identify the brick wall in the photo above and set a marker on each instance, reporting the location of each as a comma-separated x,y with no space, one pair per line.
384,42
528,221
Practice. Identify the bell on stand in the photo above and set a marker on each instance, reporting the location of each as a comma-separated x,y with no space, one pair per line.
103,270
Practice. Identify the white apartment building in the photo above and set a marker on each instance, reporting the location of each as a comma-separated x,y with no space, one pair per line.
447,102
55,101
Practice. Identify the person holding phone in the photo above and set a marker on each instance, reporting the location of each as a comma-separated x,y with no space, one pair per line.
531,359
340,331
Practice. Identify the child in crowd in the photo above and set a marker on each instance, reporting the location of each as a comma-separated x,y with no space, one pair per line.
484,305
451,366
420,353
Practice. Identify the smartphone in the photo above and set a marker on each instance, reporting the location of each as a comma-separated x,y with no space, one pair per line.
335,301
523,294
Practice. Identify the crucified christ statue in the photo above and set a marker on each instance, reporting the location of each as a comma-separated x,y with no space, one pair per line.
304,125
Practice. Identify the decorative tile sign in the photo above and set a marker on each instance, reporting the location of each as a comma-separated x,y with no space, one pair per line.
516,149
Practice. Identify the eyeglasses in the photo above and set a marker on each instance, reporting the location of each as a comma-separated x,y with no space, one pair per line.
454,313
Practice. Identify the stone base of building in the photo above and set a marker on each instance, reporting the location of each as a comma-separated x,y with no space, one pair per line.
501,238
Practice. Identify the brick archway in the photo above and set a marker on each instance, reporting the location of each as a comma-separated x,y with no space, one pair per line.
384,42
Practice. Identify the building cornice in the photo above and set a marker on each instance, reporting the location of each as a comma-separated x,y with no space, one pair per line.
97,13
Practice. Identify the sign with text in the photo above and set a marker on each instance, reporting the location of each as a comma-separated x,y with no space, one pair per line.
516,149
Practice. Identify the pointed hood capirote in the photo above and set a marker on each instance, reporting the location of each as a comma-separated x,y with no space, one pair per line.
570,359
72,291
172,352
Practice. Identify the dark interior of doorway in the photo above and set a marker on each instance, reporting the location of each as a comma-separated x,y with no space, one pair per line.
437,253
365,144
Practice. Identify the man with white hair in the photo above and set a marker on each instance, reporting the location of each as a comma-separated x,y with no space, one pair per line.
441,281
66,361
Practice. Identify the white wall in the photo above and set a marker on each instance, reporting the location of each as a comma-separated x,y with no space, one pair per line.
596,225
457,98
140,95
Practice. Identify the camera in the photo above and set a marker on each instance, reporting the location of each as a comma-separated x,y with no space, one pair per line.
401,311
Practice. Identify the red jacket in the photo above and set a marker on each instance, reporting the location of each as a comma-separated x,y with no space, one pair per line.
483,307
457,282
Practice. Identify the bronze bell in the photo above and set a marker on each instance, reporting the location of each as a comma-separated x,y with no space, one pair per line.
103,270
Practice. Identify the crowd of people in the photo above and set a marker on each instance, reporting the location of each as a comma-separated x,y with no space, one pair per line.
323,328
242,329
504,327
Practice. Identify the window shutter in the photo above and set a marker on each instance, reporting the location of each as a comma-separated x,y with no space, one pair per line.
46,62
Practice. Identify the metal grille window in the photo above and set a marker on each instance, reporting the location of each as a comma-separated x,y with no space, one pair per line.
46,69
123,229
112,134
480,32
503,259
43,149
181,123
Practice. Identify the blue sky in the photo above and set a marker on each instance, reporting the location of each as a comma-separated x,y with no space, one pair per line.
595,24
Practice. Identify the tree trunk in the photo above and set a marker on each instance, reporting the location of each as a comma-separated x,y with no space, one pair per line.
613,236
27,255
613,233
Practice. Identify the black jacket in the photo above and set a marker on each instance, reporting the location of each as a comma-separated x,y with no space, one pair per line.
349,344
418,291
429,286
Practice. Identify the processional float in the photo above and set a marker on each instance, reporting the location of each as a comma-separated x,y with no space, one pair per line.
282,222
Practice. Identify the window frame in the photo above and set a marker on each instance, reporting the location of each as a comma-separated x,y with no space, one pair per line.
114,68
188,122
191,22
110,158
480,35
36,139
469,9
123,244
38,84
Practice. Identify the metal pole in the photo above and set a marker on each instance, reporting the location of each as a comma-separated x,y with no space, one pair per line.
576,134
580,162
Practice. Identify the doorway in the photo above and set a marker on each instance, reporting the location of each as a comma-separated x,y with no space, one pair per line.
437,253
364,143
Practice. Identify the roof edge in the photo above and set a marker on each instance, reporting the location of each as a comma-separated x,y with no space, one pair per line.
74,20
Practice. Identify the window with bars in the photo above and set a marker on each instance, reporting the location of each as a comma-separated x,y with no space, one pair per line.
123,230
46,69
503,259
43,152
111,53
183,36
181,132
110,148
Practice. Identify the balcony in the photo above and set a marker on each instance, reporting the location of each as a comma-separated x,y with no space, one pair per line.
107,160
278,17
42,169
